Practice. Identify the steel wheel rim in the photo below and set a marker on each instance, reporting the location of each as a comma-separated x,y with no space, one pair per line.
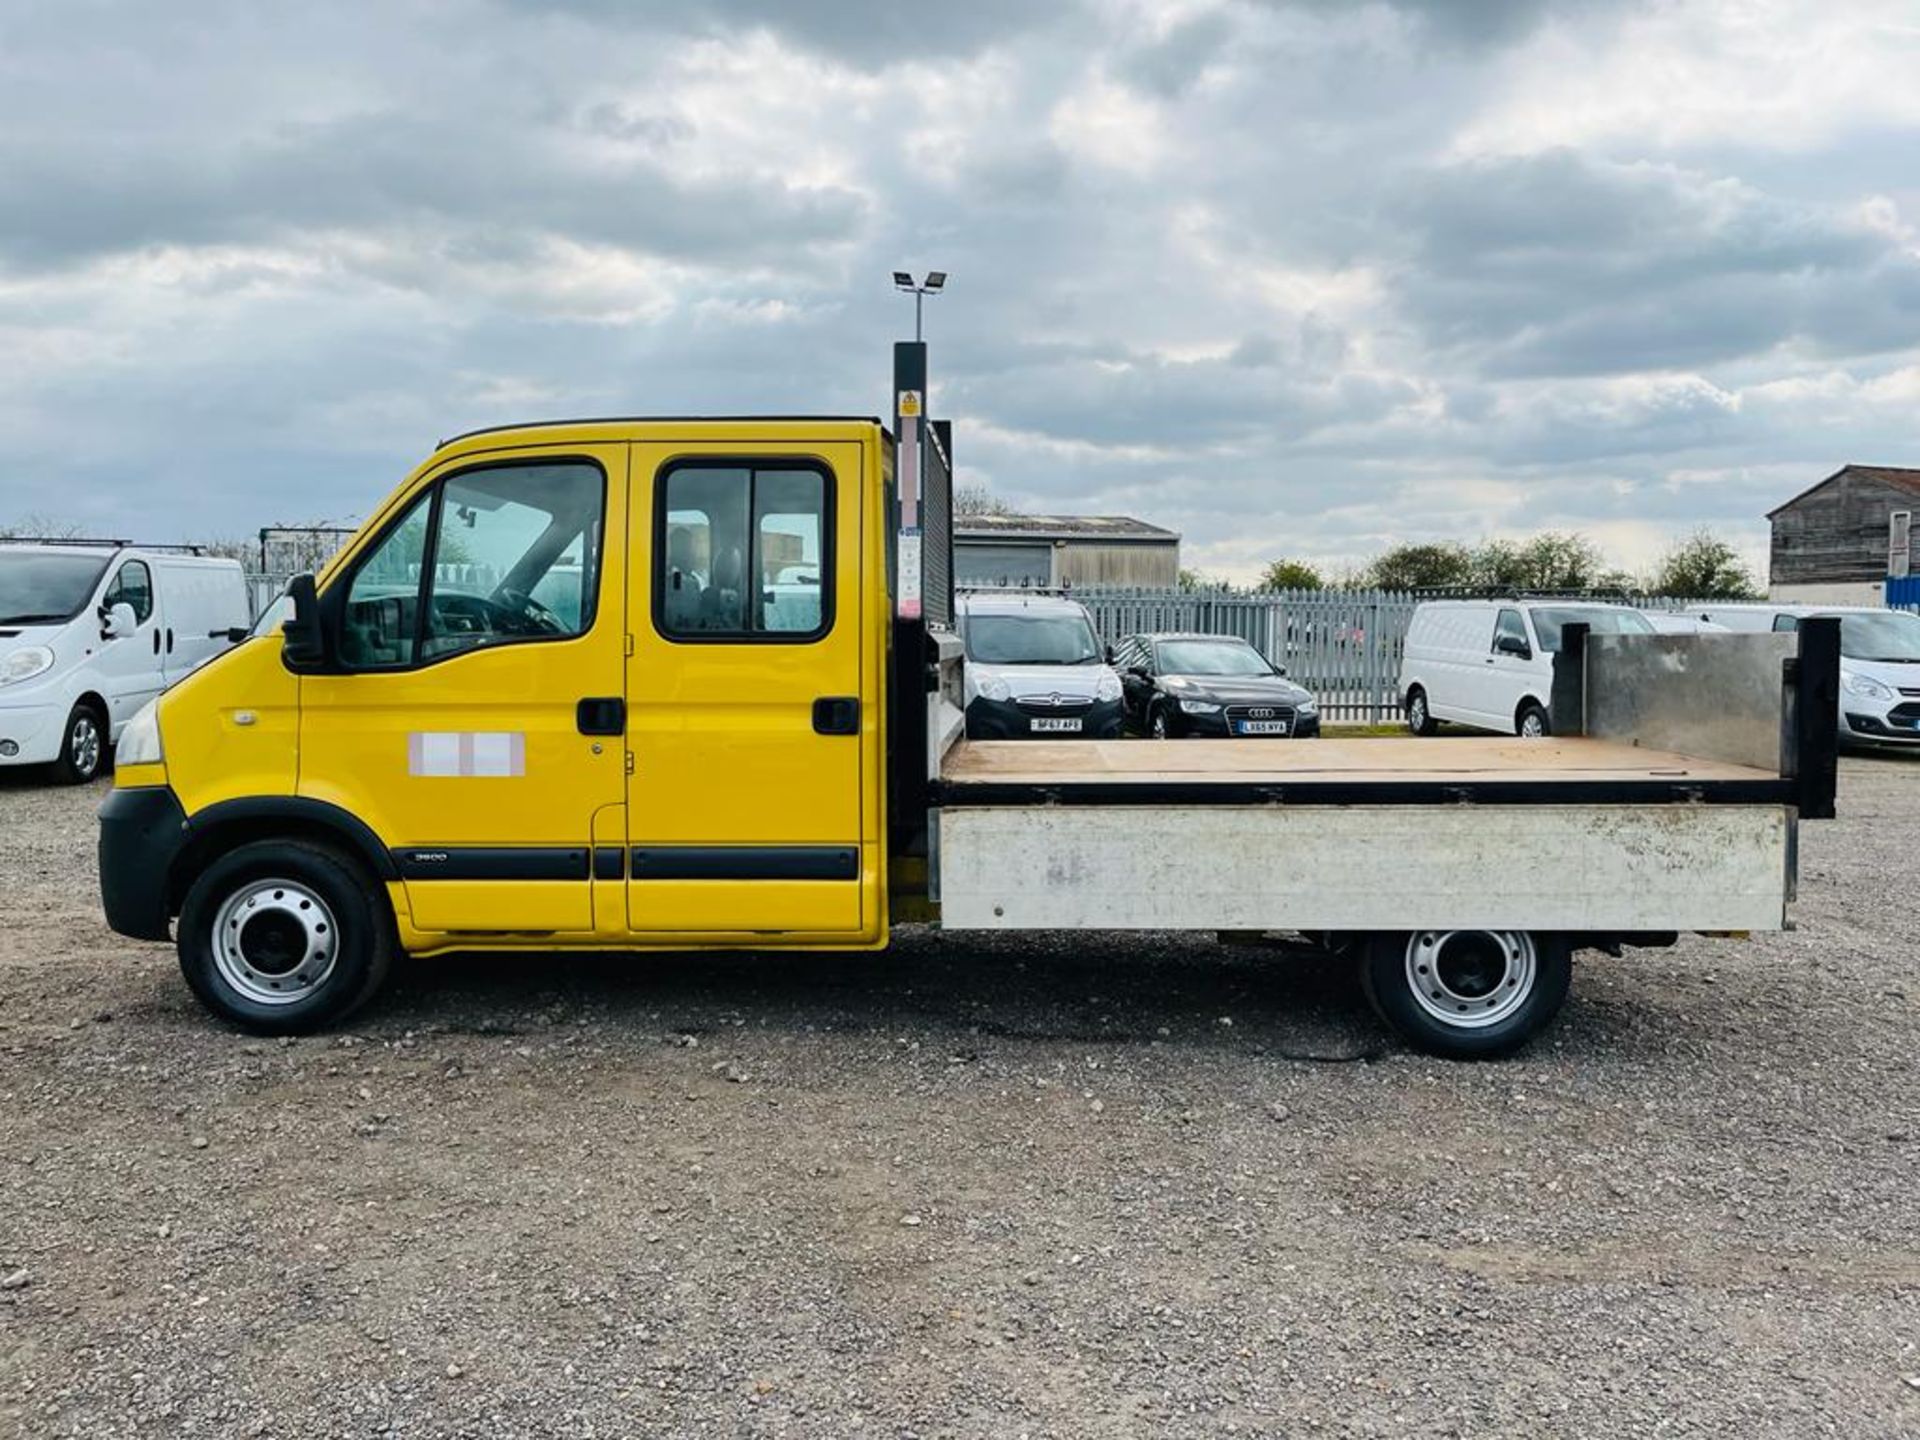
1471,979
1531,725
1159,727
84,741
275,941
1417,712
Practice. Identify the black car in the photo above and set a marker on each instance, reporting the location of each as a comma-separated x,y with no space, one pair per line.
1210,685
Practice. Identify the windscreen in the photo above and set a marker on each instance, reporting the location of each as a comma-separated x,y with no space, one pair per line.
1031,640
1211,657
1893,636
1547,623
41,589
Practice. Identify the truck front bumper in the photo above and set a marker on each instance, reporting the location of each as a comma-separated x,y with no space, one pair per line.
141,832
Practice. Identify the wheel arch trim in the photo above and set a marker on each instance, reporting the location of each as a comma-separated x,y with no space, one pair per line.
260,817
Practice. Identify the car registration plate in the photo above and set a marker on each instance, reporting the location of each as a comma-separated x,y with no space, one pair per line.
1263,727
1055,724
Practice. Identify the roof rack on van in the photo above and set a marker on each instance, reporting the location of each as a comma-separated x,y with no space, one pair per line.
978,587
1613,596
80,542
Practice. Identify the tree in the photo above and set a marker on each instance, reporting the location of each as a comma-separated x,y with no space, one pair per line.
34,523
1704,567
1199,580
1552,560
978,500
1421,567
1291,575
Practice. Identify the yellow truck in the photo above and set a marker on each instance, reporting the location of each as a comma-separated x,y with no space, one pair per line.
647,685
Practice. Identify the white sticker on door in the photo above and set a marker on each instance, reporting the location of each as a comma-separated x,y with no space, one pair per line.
467,753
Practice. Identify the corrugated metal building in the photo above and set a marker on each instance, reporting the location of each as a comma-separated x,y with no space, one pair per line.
1017,550
1837,542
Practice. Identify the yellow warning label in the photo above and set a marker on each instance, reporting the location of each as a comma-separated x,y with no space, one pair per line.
909,402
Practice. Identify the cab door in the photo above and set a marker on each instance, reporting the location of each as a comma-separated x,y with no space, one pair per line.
131,669
471,718
746,712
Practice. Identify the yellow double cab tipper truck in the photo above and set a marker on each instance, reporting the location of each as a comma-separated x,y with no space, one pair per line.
651,685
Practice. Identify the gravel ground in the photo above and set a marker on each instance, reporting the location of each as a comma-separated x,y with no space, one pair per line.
1061,1186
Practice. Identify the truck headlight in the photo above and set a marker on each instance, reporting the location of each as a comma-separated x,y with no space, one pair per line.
1200,707
993,688
140,740
1865,686
25,663
1108,688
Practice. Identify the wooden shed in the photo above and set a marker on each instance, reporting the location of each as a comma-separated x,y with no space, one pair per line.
1054,550
1838,541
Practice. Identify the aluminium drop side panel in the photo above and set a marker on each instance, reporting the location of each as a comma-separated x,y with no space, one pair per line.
1522,867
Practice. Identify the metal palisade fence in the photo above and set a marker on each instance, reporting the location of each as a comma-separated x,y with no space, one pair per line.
1344,645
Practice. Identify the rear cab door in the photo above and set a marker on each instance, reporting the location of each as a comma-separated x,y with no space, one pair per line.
758,610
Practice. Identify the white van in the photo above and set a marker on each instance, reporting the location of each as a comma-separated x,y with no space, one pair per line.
1035,667
1489,663
1879,663
89,632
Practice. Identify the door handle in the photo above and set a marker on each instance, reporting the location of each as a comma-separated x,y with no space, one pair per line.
169,640
601,715
156,639
836,715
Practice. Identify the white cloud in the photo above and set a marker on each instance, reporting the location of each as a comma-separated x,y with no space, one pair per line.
1293,276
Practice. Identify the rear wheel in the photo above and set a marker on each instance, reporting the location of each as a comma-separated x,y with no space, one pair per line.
83,745
1467,994
285,936
1532,723
1419,718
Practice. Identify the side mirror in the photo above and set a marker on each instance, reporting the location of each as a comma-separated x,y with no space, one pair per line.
1280,670
232,634
305,643
1109,654
1513,645
118,621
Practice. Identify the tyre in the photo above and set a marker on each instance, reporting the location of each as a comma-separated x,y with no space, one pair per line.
284,937
83,746
1157,727
1420,719
1532,722
1467,994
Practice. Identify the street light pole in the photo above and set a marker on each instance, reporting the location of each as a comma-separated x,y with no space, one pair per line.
903,280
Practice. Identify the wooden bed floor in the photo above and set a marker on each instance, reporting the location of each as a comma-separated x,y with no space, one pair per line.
1383,758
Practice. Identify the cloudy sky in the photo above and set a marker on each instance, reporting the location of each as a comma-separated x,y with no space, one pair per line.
1296,277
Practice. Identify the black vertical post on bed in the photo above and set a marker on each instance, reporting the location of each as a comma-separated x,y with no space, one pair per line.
1567,702
1811,743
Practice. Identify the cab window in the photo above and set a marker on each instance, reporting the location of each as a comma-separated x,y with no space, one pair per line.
132,586
743,552
1510,627
499,555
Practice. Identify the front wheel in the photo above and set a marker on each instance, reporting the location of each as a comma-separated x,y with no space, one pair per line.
83,746
1532,722
1419,718
1157,727
285,937
1467,994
